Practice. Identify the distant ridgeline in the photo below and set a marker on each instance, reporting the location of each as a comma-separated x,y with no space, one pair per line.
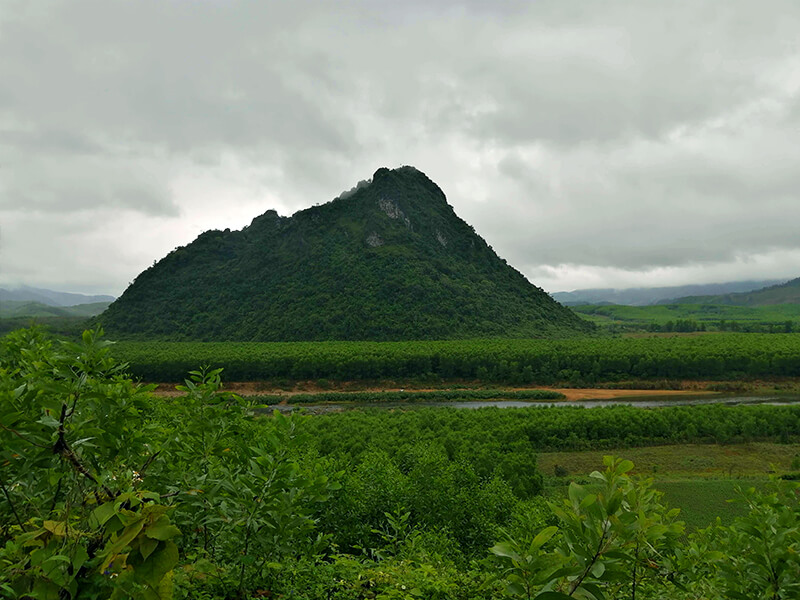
389,260
785,293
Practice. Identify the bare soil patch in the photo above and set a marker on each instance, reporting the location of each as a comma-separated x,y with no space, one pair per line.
258,388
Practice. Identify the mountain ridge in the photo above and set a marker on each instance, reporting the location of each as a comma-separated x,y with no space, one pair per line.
782,293
50,297
387,260
12,309
656,295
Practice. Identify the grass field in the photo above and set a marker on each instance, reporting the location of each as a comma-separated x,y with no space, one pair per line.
689,460
709,314
703,500
698,479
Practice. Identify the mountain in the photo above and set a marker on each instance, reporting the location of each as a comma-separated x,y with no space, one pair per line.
10,309
48,297
388,260
784,293
656,295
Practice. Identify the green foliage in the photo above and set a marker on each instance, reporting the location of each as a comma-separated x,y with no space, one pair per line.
486,437
579,361
754,558
67,327
390,261
383,498
106,492
762,550
611,535
72,521
99,480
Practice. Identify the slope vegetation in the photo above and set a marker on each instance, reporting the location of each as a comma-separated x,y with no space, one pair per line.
388,260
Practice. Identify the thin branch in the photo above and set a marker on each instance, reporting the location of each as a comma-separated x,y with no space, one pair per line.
57,494
22,437
576,584
62,448
148,462
11,504
635,560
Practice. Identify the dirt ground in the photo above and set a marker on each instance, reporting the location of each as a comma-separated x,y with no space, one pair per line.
258,388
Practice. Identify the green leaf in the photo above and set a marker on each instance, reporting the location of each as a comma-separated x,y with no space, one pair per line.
614,503
576,493
104,512
505,549
58,528
162,530
515,589
543,536
595,590
49,421
624,466
79,559
116,546
553,596
157,565
147,546
598,569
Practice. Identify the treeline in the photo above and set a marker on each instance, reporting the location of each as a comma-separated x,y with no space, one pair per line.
513,361
691,326
679,326
462,433
738,326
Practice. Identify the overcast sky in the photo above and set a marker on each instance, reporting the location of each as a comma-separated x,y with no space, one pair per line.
592,144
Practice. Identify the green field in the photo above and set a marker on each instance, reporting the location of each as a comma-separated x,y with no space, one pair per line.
702,501
703,480
755,459
712,317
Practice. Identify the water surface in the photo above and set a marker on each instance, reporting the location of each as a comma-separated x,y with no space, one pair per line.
639,402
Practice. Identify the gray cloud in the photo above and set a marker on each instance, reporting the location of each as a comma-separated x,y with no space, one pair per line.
581,140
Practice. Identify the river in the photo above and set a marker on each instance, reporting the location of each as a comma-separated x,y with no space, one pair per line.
639,402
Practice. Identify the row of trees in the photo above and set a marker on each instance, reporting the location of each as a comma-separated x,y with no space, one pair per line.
516,361
494,434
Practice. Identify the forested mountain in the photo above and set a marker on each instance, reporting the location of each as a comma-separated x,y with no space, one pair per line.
785,293
387,260
655,295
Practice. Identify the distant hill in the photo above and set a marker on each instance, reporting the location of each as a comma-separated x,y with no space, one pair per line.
784,293
11,309
656,295
48,297
388,260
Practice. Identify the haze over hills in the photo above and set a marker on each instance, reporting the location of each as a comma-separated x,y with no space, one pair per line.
784,293
388,260
656,295
49,297
11,309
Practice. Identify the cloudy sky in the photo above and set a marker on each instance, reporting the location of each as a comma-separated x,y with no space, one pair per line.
592,144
